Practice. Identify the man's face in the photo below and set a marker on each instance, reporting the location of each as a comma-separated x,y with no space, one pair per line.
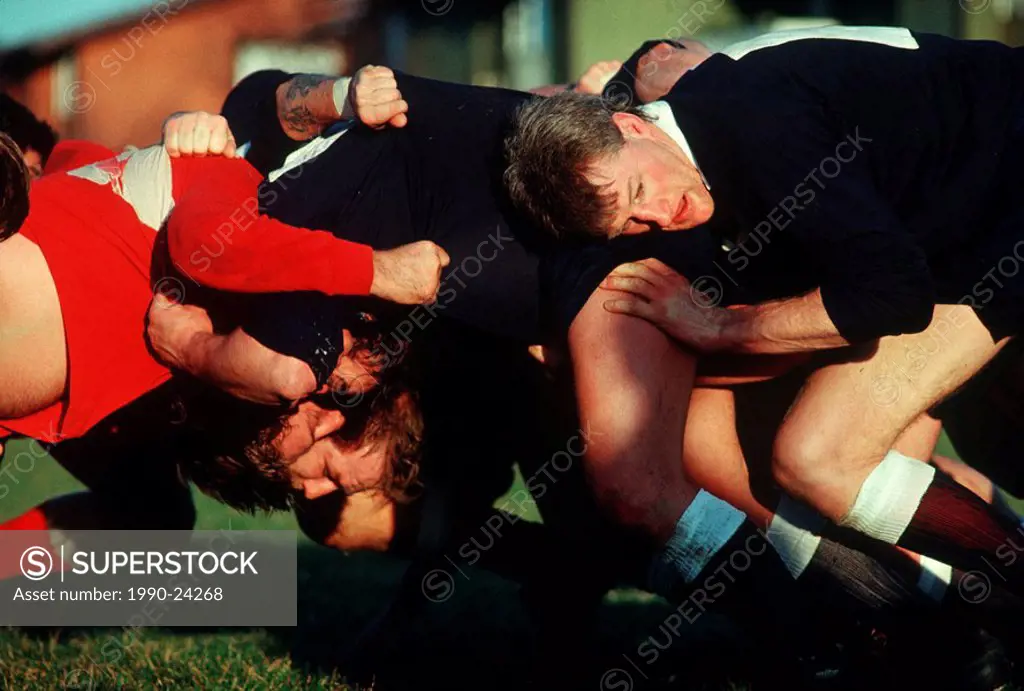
34,162
662,66
319,459
653,182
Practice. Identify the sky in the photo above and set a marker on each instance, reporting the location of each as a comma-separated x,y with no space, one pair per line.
24,22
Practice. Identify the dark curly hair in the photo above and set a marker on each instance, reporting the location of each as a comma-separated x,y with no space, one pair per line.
14,186
25,128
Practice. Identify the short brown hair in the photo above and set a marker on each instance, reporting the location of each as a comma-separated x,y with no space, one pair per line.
553,143
14,186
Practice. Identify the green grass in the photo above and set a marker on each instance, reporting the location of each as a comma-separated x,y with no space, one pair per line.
479,639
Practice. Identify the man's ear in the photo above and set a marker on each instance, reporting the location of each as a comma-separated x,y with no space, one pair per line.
330,422
631,126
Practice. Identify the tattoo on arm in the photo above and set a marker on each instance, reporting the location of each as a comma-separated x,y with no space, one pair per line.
305,105
299,120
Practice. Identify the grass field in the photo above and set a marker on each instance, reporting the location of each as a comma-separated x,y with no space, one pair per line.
478,639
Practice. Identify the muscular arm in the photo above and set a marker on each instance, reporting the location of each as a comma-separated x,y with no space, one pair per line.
796,325
222,240
309,103
242,366
182,337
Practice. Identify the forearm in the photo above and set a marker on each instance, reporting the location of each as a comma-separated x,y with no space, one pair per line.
308,103
257,253
245,368
795,325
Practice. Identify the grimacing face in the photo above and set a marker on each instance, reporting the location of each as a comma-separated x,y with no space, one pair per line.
319,459
654,183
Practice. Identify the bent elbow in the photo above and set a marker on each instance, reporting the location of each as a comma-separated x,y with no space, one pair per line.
294,379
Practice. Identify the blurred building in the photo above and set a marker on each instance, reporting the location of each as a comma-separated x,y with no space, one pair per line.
111,70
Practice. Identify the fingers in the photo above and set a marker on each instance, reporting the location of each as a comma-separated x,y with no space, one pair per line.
171,129
198,134
201,137
632,306
160,302
186,133
376,98
381,113
380,95
445,259
660,267
218,144
637,270
627,284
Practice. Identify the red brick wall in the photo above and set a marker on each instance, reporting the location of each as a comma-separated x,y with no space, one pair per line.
128,79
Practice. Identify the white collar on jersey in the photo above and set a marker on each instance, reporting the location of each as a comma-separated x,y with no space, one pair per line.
307,152
661,114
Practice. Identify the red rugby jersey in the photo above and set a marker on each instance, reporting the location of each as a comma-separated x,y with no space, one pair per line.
96,226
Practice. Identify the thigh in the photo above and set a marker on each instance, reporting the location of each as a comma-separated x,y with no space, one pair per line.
857,404
633,388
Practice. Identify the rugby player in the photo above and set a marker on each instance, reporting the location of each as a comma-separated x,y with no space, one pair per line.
313,171
438,177
868,252
107,215
34,137
647,76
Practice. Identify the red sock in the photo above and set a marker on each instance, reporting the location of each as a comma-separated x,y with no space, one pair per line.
954,526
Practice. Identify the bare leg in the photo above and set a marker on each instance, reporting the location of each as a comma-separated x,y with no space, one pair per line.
833,450
850,413
633,389
918,440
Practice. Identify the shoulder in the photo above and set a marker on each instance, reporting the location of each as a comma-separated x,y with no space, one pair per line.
75,153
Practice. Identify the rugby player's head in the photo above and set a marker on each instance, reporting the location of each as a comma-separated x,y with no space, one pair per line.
364,433
658,65
587,166
34,137
14,185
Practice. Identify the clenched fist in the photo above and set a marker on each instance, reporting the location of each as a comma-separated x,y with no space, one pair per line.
198,134
410,274
374,98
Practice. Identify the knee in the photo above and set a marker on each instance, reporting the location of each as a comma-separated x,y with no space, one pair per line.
800,460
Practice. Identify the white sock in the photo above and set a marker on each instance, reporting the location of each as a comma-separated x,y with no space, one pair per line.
792,533
889,498
703,529
934,579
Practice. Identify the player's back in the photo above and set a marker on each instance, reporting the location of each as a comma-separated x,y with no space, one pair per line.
929,118
439,179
